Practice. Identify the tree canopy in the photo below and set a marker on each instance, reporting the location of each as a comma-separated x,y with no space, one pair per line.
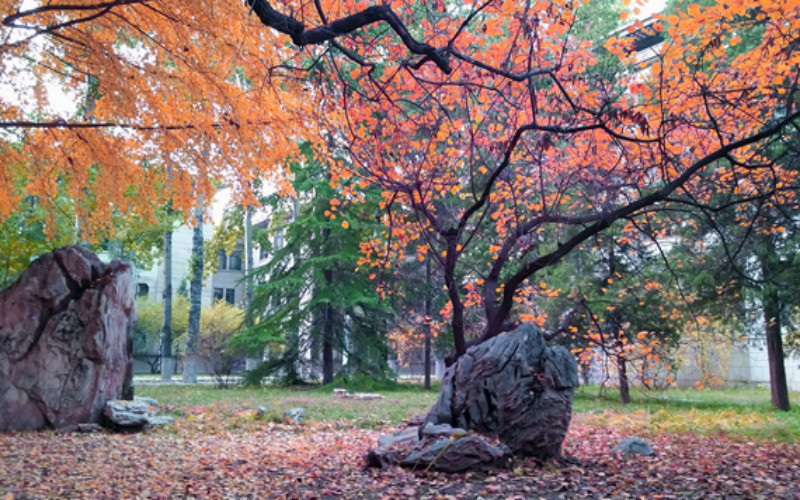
499,135
163,99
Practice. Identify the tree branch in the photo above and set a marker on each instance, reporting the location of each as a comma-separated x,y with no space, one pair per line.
301,36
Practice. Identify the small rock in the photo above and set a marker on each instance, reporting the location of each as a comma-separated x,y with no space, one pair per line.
381,457
441,430
408,436
634,446
465,453
416,421
294,416
147,401
126,414
365,396
88,427
260,412
160,420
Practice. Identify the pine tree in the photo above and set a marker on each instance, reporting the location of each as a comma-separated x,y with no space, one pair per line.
310,297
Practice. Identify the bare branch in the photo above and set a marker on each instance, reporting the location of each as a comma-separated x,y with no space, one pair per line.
328,32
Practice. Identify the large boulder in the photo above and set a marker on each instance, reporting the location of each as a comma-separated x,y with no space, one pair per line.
65,340
514,387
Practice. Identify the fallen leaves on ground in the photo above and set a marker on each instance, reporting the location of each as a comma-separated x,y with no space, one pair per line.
220,452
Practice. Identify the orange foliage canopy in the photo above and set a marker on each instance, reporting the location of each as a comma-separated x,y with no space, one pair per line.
166,97
493,134
484,122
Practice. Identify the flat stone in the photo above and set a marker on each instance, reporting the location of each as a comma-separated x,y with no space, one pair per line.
382,458
406,437
127,414
88,427
147,401
366,396
294,415
441,430
457,455
634,446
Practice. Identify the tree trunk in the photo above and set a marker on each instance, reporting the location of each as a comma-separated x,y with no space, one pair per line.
248,256
167,363
621,360
195,294
779,389
428,288
327,323
622,372
327,343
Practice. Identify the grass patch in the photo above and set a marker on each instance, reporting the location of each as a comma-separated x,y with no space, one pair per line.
744,413
403,402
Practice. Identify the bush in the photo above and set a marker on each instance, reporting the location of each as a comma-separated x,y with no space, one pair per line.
218,324
150,315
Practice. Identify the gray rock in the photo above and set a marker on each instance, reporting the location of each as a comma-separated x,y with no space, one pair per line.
382,458
514,387
160,420
366,396
441,430
126,414
260,412
65,340
634,446
408,436
147,401
457,455
88,428
294,416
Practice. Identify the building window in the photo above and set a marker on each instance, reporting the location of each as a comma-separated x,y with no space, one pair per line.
230,296
235,261
222,260
277,242
142,290
219,293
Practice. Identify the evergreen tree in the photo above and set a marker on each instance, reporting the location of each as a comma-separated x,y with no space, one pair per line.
309,297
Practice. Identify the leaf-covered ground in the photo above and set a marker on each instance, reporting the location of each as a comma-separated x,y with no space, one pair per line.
219,452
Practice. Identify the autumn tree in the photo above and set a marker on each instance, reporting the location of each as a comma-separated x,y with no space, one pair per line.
495,130
157,101
615,304
487,126
219,323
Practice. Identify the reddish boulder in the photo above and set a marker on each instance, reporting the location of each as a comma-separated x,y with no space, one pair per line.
65,340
